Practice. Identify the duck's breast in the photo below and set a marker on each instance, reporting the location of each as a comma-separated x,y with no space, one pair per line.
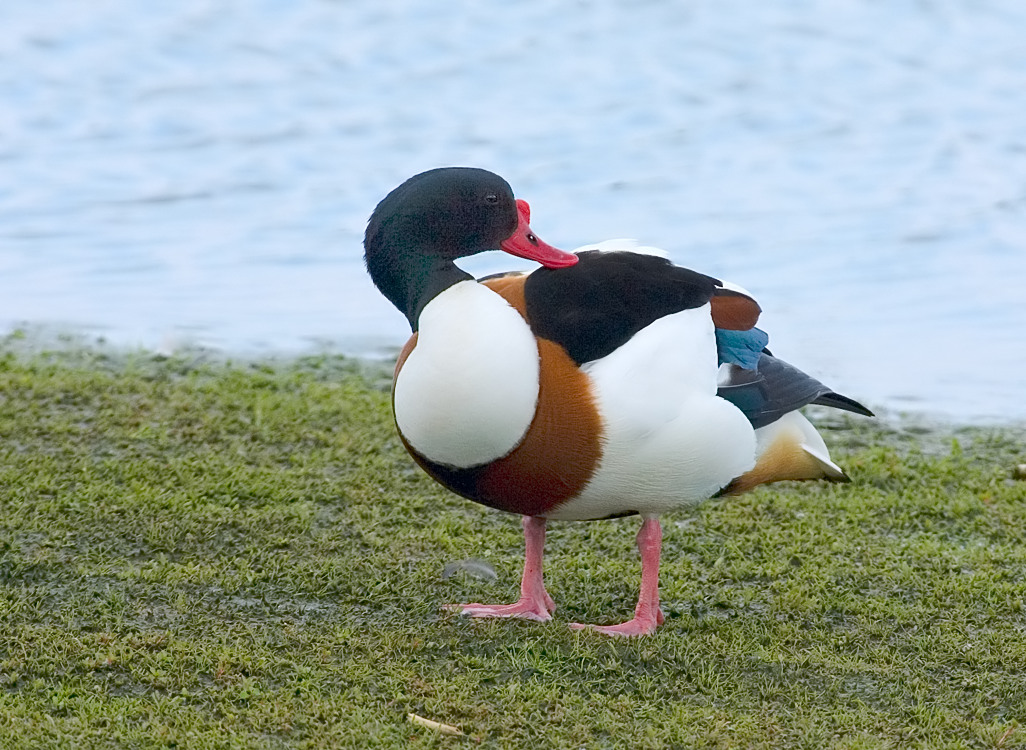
466,393
556,453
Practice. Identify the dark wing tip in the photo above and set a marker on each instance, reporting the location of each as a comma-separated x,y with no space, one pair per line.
775,388
841,478
837,401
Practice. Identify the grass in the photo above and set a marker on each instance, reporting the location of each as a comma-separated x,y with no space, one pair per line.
208,555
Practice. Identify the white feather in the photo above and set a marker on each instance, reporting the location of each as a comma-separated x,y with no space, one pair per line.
623,246
669,441
468,391
731,286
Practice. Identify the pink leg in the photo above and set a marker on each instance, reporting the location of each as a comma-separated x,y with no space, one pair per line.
535,602
647,615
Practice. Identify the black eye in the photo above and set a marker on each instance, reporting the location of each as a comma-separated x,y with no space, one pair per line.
491,198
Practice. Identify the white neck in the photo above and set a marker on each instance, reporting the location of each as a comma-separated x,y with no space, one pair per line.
468,391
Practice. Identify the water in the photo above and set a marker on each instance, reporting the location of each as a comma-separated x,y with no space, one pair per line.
201,171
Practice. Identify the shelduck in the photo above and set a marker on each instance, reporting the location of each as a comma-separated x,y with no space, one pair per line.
605,383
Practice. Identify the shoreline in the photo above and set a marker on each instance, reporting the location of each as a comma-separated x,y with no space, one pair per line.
75,348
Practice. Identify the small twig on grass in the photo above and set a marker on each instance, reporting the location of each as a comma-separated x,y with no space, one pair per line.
437,726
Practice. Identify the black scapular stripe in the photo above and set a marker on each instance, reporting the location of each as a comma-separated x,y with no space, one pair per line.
594,307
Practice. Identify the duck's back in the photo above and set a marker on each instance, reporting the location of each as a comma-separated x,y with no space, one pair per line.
642,332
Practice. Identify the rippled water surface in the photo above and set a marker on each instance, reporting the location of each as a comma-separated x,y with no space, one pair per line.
201,171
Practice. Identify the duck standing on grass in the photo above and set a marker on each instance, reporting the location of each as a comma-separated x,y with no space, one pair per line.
605,384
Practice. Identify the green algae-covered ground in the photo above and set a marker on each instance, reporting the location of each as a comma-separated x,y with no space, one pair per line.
241,555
